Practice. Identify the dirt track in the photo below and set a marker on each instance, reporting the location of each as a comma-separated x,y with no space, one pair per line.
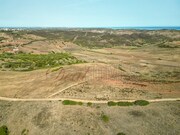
81,100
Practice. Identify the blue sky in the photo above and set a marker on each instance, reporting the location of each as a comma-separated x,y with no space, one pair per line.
89,13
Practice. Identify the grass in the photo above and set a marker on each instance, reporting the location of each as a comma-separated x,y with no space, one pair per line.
4,130
137,102
28,62
70,102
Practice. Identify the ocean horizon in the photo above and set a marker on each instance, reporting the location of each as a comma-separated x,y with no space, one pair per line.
114,28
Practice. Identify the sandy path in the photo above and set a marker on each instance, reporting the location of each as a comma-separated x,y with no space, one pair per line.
82,100
65,89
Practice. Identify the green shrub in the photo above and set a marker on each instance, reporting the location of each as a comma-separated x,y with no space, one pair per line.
25,132
4,130
137,102
111,103
124,103
70,102
80,103
98,107
89,104
121,133
56,69
141,102
105,118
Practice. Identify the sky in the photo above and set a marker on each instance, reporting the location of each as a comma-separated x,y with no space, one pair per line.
89,13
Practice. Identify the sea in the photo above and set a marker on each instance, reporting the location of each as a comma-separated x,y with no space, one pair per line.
147,28
114,28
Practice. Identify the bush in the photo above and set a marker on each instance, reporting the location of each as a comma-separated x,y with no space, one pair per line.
121,133
141,102
56,69
111,103
124,103
89,104
80,103
69,102
25,132
137,102
105,118
4,130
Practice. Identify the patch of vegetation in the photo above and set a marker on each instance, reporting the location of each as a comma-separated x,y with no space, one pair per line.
89,104
28,62
141,102
120,68
4,130
25,132
167,46
121,133
80,103
125,104
2,38
137,102
159,77
104,118
70,102
111,103
104,39
56,69
136,113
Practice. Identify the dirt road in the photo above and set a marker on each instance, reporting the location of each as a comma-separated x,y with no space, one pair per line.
82,100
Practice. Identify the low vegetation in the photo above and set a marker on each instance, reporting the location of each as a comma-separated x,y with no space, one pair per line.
89,104
25,132
4,130
121,133
120,68
111,103
124,103
70,102
28,62
137,102
56,69
104,118
141,102
156,76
